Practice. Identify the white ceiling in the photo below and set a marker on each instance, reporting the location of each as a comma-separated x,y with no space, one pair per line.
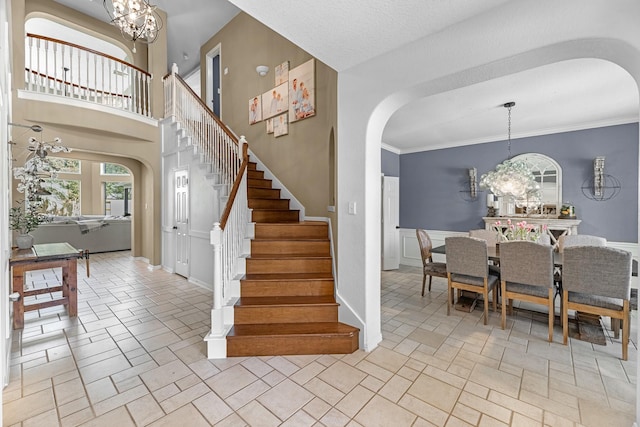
564,96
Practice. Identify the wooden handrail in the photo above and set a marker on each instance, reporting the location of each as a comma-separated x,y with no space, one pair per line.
236,185
75,84
86,49
212,114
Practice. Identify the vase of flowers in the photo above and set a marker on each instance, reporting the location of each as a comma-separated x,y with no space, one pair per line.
24,221
518,231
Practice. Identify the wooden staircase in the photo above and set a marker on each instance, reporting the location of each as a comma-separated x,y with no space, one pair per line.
287,304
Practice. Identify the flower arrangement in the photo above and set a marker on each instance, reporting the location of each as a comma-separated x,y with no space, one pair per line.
518,231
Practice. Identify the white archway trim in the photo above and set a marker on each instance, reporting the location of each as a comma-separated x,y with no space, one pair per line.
365,107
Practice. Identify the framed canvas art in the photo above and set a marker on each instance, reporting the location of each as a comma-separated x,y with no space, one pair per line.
255,110
282,73
274,102
280,125
302,91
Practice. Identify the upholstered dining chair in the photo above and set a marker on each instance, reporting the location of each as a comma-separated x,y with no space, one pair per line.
490,236
429,268
468,270
597,280
569,240
526,274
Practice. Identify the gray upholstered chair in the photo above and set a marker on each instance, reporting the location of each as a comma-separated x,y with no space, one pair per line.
429,268
566,241
597,280
526,274
544,239
468,270
490,236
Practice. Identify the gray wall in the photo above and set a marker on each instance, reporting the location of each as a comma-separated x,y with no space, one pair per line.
432,183
390,163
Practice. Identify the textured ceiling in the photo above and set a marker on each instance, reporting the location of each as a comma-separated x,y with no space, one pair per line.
559,97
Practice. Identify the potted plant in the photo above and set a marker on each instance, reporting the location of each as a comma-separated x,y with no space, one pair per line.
24,220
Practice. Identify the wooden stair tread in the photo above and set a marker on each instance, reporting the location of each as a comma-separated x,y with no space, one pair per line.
289,239
286,300
288,276
288,256
280,329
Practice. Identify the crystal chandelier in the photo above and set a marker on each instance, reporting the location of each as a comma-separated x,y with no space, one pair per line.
137,19
513,179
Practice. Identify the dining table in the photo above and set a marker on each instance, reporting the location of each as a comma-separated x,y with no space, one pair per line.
493,253
468,302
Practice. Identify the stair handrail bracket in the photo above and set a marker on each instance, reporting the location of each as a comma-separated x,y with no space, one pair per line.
219,147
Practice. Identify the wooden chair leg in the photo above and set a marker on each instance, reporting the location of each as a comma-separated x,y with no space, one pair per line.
552,314
495,298
503,286
615,327
449,295
626,320
424,278
565,317
430,278
485,295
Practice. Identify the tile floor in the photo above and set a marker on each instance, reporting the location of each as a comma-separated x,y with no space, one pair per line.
135,357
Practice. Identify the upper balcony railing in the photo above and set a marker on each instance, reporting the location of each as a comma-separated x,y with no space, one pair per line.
64,69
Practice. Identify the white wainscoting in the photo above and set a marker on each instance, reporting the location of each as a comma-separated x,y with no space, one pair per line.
410,251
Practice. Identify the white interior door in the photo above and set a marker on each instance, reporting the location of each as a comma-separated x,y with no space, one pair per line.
182,222
390,222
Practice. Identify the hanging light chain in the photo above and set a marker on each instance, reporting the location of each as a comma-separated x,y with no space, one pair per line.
508,106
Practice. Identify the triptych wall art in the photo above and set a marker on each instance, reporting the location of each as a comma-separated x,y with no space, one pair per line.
291,100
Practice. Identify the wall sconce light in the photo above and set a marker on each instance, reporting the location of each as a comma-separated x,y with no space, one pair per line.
262,70
598,176
473,182
601,186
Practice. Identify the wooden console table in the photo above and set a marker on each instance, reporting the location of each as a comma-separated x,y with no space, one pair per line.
41,257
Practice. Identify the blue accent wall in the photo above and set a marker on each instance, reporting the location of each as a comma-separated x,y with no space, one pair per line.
434,184
390,163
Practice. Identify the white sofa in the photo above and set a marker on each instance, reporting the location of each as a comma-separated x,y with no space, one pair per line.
92,232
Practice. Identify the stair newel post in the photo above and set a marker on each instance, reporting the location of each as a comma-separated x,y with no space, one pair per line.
174,71
217,318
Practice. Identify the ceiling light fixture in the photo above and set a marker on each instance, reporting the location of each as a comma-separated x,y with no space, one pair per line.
137,19
262,70
512,179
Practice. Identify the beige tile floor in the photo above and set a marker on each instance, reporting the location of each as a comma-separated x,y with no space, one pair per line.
135,357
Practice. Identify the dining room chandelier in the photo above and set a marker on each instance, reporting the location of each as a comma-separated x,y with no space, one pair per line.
512,178
137,19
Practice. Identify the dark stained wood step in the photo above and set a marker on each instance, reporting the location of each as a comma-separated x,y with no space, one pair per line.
301,230
285,309
263,193
316,247
291,339
255,174
252,166
256,203
271,285
288,264
259,183
275,215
